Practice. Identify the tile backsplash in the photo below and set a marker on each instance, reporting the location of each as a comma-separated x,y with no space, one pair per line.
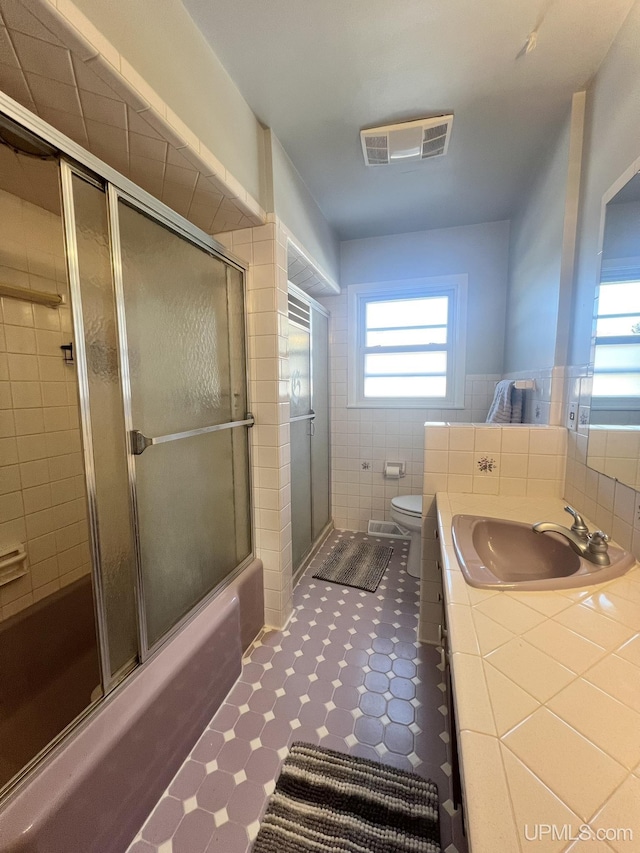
543,404
612,505
490,459
516,460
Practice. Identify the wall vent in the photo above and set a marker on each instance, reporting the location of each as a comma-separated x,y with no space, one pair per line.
299,312
407,141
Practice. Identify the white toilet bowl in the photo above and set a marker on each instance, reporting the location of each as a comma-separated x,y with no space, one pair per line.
406,510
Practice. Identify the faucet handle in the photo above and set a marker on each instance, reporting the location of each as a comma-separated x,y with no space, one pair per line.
578,526
598,539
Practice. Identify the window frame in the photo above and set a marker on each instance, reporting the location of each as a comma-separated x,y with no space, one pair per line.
452,286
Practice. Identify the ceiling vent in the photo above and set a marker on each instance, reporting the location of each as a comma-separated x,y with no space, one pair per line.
407,141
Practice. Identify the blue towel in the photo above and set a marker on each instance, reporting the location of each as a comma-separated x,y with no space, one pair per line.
506,407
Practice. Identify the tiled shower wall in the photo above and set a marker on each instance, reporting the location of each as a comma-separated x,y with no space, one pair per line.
363,439
264,249
613,506
42,493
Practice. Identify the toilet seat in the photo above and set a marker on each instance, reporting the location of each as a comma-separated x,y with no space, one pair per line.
408,505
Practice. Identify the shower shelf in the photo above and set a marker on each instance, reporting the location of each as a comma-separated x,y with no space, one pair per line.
12,563
54,300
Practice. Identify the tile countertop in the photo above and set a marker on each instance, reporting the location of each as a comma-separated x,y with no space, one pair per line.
547,695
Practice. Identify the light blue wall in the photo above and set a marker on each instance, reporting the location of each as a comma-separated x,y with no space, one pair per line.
296,207
480,251
612,143
163,44
535,260
165,47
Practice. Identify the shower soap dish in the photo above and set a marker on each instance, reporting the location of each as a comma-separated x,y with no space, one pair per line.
12,563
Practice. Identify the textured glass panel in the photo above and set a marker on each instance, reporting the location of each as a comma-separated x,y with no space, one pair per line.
189,539
107,423
299,371
407,337
241,492
185,331
400,362
405,386
300,491
320,439
177,329
237,357
428,311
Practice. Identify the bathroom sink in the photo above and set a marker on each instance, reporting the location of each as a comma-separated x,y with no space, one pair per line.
498,554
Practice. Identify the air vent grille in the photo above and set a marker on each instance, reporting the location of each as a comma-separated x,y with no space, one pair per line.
299,312
377,148
434,140
411,140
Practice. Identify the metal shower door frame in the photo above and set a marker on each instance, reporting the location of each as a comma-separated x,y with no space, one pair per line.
113,195
316,306
136,441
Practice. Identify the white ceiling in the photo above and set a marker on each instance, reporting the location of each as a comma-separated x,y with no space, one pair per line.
316,71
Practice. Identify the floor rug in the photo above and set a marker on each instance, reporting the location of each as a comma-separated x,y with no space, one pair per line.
358,564
328,802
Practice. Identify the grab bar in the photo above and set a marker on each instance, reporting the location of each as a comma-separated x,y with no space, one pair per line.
140,441
12,291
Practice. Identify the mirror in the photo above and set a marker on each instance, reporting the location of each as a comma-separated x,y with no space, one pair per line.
614,428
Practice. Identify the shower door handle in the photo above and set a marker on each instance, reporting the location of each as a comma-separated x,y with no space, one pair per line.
140,441
310,417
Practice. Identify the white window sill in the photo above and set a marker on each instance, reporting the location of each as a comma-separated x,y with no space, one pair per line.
406,404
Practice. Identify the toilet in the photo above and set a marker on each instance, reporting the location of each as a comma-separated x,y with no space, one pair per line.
406,510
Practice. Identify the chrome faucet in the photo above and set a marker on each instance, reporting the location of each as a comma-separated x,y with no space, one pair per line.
592,546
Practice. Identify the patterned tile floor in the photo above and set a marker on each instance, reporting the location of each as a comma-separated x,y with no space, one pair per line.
347,673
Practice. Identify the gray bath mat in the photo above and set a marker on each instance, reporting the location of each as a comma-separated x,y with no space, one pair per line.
358,564
329,802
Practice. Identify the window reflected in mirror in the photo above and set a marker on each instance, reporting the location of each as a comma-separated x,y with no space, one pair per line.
614,434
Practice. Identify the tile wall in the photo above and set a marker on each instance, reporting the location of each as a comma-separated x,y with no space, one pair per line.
42,493
363,439
264,249
487,459
544,404
58,65
613,506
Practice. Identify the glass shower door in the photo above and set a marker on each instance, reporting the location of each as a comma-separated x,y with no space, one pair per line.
301,427
320,461
183,314
309,424
104,429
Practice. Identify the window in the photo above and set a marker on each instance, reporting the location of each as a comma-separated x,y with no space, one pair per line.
408,346
616,374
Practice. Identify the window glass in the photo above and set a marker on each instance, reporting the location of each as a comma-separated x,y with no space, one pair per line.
405,386
617,344
409,346
428,311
